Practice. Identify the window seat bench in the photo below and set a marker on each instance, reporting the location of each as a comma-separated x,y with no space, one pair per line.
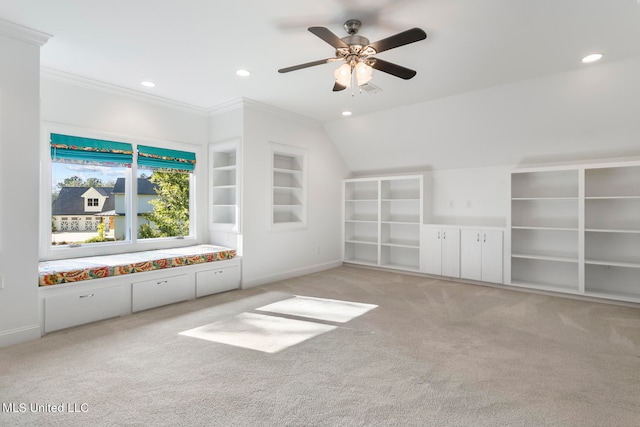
131,282
95,267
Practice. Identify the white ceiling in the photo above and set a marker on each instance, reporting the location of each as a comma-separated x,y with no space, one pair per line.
192,48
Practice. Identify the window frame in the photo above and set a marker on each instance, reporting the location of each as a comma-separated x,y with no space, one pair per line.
131,243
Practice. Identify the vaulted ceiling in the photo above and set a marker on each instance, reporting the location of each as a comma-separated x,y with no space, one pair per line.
192,49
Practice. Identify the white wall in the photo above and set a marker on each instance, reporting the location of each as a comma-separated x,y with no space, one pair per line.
70,103
471,196
90,107
271,254
19,136
589,113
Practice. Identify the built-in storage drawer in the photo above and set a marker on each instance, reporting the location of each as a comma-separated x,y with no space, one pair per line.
162,291
218,280
63,310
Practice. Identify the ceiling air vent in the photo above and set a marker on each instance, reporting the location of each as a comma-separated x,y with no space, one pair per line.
370,88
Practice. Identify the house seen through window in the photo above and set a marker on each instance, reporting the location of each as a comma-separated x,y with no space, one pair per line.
91,184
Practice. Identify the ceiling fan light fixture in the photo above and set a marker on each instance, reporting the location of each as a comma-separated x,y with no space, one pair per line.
343,75
363,73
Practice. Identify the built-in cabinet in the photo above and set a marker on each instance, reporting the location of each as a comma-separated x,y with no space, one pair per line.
576,229
382,219
481,254
441,251
66,305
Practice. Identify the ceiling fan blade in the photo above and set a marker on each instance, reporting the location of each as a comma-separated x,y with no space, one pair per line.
326,35
393,69
306,65
338,87
410,36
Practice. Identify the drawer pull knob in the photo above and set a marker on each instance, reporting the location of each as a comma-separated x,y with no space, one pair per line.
161,282
87,296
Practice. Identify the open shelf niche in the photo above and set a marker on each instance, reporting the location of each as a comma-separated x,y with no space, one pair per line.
288,186
224,208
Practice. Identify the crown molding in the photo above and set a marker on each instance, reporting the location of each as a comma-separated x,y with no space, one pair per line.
225,107
22,33
235,104
109,88
241,103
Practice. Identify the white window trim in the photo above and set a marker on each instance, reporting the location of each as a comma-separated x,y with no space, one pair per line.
131,243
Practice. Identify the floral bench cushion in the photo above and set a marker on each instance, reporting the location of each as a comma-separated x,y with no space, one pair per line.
95,267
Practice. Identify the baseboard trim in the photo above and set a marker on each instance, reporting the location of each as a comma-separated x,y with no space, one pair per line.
19,335
290,274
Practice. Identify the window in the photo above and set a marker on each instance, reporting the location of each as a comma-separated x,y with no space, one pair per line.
164,181
103,194
80,166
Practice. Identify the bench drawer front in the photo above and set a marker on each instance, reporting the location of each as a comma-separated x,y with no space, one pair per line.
218,280
162,291
75,308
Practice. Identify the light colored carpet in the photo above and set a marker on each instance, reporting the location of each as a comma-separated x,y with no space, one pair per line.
431,353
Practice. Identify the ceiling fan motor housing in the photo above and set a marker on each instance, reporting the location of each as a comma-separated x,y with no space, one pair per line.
352,26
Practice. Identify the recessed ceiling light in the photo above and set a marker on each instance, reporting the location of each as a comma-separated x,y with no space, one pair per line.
243,73
346,113
148,84
592,58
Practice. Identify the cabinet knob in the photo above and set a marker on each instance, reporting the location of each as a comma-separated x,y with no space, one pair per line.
87,296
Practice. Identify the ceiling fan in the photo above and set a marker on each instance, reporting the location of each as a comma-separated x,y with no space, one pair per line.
357,53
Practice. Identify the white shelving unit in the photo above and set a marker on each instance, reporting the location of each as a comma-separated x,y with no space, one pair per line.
224,187
545,229
288,179
577,229
612,231
382,219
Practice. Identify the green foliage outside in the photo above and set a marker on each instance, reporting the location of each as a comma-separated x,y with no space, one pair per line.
100,237
170,215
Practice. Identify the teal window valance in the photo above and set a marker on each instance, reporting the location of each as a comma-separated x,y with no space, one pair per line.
74,149
162,158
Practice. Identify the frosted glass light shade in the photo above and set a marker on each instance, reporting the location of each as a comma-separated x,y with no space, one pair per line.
343,75
363,73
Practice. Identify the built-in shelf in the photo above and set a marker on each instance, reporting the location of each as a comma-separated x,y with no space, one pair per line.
224,196
382,218
288,186
577,229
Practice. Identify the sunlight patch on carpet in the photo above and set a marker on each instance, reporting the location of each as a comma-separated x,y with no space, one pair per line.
259,332
319,308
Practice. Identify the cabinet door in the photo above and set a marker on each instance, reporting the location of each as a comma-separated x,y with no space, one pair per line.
492,255
430,250
218,280
471,254
451,252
